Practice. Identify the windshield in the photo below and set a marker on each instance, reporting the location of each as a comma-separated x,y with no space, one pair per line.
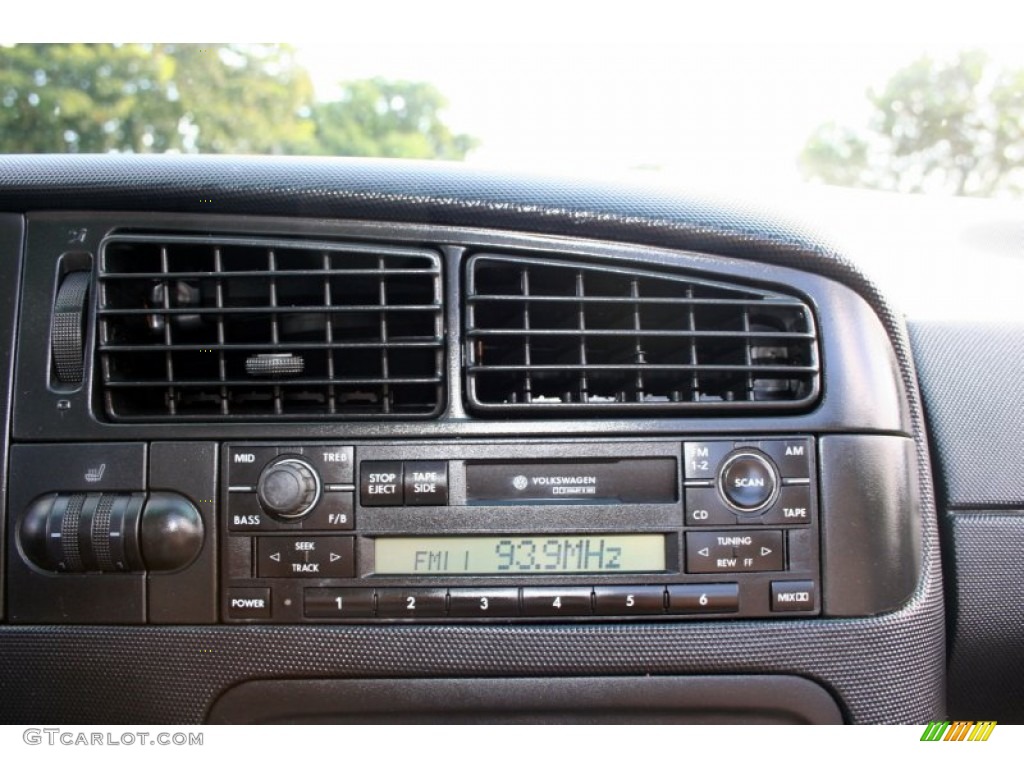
743,100
721,97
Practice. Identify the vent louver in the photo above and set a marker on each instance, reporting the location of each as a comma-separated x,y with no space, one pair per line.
552,336
210,328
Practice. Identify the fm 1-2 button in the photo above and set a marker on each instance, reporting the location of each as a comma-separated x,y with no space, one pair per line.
701,460
381,484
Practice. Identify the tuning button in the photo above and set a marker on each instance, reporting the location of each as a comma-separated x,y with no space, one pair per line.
288,488
748,481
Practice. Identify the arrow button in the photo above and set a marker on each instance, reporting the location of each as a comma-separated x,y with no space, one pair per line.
765,551
276,557
336,555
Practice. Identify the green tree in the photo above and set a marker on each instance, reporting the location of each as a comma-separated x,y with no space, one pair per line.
207,98
383,118
82,98
955,127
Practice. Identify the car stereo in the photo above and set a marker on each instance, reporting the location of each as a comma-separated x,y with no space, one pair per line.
464,532
517,531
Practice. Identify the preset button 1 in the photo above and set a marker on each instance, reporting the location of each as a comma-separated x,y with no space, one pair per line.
338,603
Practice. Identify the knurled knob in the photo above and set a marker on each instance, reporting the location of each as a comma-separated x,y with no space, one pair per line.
288,488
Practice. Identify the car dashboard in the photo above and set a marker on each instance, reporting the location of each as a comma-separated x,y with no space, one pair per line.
367,441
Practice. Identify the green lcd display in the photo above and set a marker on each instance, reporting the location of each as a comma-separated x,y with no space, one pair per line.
519,555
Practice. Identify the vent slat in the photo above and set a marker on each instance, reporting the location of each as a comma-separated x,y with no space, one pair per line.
424,344
219,328
646,367
740,335
250,310
544,334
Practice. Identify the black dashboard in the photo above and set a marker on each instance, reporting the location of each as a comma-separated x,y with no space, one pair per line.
356,441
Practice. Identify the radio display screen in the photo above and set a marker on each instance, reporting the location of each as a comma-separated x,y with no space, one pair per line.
500,555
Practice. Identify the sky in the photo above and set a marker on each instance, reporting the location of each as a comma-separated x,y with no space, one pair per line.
706,93
709,94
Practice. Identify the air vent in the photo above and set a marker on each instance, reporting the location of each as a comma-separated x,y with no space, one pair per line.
209,328
553,336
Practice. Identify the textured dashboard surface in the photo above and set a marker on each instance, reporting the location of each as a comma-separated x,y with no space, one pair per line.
885,669
986,667
973,389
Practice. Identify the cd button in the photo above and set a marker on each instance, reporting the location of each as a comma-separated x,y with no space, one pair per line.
627,601
705,507
571,601
483,603
411,603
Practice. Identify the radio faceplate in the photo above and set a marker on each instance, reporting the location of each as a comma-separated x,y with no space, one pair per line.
589,530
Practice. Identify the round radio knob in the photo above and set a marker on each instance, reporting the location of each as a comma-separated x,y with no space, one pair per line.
288,488
748,481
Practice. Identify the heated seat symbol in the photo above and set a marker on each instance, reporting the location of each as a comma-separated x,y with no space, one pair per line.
95,474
